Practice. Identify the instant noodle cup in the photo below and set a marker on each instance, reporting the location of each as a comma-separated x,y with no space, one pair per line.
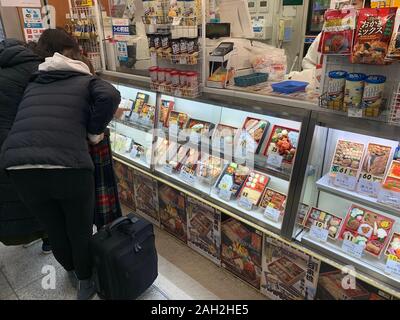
353,92
335,91
372,96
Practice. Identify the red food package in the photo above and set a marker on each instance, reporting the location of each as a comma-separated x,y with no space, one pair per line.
338,31
373,35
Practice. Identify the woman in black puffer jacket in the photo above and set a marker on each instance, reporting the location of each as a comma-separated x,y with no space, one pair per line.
17,64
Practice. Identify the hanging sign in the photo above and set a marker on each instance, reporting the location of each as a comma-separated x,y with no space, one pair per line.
33,24
21,3
122,49
120,28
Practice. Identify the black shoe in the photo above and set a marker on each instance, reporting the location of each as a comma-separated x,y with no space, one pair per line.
46,246
86,289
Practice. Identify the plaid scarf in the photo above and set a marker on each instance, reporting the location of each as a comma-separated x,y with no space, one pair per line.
107,207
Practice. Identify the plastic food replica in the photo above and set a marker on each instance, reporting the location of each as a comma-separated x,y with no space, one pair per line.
283,141
209,168
392,180
347,158
376,161
324,220
199,128
371,229
232,179
250,137
141,100
394,246
254,187
273,199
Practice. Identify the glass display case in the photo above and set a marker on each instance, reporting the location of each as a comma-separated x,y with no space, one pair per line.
350,200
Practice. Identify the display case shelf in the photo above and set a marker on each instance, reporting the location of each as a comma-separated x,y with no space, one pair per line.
324,185
135,125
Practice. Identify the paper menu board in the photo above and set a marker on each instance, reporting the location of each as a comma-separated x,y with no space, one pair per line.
324,220
254,187
392,179
283,142
368,228
347,158
249,139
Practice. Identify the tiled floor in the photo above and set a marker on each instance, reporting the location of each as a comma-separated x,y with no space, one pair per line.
183,274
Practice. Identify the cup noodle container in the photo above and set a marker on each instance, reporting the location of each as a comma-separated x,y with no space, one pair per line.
353,92
372,96
335,91
153,74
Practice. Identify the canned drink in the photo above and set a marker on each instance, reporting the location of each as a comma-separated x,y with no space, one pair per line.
372,96
353,92
335,91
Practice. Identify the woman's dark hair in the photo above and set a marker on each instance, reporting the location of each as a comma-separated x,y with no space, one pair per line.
56,40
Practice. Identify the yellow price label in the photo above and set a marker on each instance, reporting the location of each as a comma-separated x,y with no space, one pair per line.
393,258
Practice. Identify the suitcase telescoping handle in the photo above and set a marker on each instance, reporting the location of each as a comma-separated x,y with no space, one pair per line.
130,217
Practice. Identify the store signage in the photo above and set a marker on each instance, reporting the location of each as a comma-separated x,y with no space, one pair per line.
225,194
318,233
274,160
33,24
345,180
353,249
21,3
120,28
272,213
122,51
392,265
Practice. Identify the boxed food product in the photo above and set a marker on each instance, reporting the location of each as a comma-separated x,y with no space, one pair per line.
175,159
324,220
146,197
393,247
366,227
223,138
147,113
274,200
249,139
288,273
189,163
330,288
232,179
347,160
253,188
178,120
197,129
204,229
141,99
282,146
338,31
373,34
165,110
392,179
209,168
172,211
242,250
302,214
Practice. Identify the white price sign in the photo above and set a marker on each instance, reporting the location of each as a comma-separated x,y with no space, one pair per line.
225,194
368,187
275,160
245,203
355,112
389,197
167,169
319,234
345,181
272,213
353,249
187,177
134,152
392,266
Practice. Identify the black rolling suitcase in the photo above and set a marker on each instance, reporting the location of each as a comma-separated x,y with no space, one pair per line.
125,258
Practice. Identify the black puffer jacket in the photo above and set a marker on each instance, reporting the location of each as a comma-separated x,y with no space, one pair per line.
57,112
17,63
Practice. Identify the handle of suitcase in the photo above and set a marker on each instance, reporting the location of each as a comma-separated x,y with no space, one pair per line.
130,217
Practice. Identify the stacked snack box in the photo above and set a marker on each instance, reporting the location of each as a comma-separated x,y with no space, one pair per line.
204,229
172,211
288,274
125,182
146,197
241,251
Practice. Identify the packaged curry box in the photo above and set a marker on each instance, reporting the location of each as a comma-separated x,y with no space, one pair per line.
125,184
288,273
172,211
204,229
241,251
146,197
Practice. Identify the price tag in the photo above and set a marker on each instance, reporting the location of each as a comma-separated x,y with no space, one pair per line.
245,203
167,169
355,112
272,213
352,248
176,21
368,187
393,265
225,194
345,181
187,177
389,197
319,233
134,152
275,160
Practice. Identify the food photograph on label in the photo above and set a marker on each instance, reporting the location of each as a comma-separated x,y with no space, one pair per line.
323,220
232,179
283,142
367,228
375,162
146,196
273,199
249,138
254,187
347,158
392,180
393,247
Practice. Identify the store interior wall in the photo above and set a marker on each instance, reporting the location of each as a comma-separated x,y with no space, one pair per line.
11,23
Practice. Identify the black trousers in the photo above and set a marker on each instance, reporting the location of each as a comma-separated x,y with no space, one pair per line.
63,201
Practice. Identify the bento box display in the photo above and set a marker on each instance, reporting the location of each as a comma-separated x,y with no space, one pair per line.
324,220
204,229
273,203
288,274
177,122
198,130
146,197
392,179
252,189
172,211
223,138
209,169
242,250
367,228
393,247
249,138
231,180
